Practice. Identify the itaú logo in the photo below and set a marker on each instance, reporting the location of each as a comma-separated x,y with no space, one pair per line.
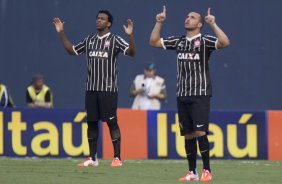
99,54
25,138
227,140
188,56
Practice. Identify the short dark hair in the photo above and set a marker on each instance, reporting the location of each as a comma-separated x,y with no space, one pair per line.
110,16
202,20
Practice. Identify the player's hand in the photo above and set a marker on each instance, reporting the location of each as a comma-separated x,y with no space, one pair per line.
59,25
129,29
161,16
210,19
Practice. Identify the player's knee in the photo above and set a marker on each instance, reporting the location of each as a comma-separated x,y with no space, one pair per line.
199,133
112,124
189,136
114,129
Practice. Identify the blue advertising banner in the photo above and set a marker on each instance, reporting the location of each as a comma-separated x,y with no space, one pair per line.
233,135
63,133
41,133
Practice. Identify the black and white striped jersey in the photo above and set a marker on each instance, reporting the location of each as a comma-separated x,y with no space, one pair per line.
101,54
193,54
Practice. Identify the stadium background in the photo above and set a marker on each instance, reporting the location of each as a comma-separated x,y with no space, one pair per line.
247,75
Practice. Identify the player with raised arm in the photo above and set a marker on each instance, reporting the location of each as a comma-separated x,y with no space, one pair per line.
101,94
194,88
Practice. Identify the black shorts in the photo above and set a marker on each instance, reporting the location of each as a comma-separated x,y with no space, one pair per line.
193,113
101,105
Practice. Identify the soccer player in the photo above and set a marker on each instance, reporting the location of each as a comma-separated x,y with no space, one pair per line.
194,88
101,95
39,95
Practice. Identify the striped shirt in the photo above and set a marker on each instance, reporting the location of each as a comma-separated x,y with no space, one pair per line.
193,54
101,54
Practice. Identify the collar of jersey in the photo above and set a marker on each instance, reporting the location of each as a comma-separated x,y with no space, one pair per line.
193,37
101,37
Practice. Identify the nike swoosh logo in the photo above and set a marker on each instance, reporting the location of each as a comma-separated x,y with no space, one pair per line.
112,118
198,126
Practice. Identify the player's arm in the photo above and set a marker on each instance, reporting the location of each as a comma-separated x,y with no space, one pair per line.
59,25
223,40
155,39
131,51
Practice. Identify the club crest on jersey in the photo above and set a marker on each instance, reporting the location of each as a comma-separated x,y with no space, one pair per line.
107,43
98,54
188,56
197,43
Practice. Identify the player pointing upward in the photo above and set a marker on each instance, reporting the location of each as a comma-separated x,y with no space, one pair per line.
101,95
193,83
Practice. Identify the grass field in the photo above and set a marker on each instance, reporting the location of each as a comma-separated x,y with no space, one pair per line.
64,171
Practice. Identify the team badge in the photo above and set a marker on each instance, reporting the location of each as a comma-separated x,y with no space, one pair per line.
107,43
197,43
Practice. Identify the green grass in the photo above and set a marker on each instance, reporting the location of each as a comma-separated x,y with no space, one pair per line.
64,171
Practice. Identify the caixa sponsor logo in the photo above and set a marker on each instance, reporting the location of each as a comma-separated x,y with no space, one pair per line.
99,54
188,56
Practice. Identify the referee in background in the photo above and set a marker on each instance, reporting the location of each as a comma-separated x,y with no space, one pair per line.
101,95
194,88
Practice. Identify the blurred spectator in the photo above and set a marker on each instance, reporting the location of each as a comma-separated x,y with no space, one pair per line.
5,97
148,89
38,95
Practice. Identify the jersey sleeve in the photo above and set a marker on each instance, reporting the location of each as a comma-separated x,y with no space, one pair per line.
80,47
210,42
170,42
121,45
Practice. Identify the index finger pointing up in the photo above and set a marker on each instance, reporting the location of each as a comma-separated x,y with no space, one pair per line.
209,11
164,9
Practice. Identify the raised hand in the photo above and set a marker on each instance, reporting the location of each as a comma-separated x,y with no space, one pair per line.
129,29
59,25
210,19
161,16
